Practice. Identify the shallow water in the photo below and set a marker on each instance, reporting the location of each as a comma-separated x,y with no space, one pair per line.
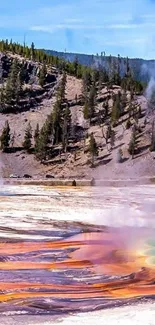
66,250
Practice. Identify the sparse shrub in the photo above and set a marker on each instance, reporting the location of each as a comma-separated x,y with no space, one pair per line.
108,133
74,183
27,138
116,111
112,138
119,155
5,137
93,148
128,124
140,112
132,143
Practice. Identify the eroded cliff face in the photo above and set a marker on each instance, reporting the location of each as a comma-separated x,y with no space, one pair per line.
31,68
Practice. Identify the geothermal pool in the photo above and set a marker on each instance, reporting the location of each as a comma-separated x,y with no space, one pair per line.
72,254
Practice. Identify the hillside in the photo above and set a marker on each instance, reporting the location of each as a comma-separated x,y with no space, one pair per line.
87,127
142,69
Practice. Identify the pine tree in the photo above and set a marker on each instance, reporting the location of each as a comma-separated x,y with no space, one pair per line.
130,109
36,133
42,75
75,66
108,133
86,110
48,128
118,77
14,74
95,76
140,115
79,71
66,127
13,86
18,90
106,108
62,88
114,76
110,72
127,67
60,113
152,146
123,100
23,74
92,101
128,124
112,139
103,77
93,148
32,51
132,143
27,138
41,144
115,110
86,83
9,93
57,123
5,137
2,100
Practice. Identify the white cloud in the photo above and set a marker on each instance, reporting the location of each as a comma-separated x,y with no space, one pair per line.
123,26
41,28
51,28
118,26
81,26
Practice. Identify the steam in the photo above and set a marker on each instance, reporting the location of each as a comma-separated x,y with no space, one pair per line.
124,215
128,215
150,89
149,73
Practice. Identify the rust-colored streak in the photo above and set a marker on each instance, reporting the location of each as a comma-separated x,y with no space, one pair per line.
129,292
99,253
33,265
22,248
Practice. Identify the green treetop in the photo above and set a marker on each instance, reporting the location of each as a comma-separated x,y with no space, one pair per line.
5,137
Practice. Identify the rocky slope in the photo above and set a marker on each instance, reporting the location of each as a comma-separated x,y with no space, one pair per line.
70,164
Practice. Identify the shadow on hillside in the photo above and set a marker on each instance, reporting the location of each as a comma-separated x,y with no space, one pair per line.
31,100
18,149
14,149
124,160
119,145
120,122
103,162
102,157
139,135
140,151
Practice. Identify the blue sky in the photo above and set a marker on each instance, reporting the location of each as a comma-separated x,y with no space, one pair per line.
125,27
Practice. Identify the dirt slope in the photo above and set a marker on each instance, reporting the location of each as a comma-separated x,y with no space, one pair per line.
106,166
